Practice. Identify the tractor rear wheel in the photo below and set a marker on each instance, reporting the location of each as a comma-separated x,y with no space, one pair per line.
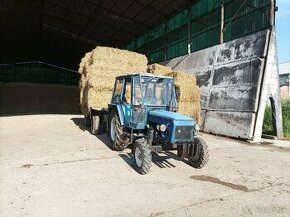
200,155
95,124
116,133
142,156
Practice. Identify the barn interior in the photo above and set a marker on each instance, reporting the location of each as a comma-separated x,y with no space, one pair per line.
43,41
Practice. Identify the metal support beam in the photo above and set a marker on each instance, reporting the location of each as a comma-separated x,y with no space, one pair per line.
222,23
272,13
235,15
133,18
157,12
121,14
188,30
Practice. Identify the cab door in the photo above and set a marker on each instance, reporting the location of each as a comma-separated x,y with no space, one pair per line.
127,101
138,118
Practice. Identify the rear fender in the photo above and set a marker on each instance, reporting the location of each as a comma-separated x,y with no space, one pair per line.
119,110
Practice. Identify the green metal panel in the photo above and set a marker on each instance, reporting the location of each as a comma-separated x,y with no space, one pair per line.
203,7
178,20
199,25
243,19
177,42
39,73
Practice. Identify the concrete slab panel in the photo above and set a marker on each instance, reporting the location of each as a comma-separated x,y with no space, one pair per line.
234,124
203,78
197,60
235,74
246,47
230,77
233,98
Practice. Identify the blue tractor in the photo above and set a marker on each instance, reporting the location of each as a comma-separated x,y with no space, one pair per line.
142,113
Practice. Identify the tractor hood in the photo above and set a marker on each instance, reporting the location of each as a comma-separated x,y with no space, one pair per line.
180,127
167,115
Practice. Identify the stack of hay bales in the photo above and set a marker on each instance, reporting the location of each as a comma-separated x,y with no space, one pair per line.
98,70
185,84
159,69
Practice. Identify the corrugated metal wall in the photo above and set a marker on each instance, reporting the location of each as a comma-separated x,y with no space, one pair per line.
39,73
199,27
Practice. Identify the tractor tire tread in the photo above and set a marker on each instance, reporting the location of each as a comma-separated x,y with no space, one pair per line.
204,154
146,155
120,144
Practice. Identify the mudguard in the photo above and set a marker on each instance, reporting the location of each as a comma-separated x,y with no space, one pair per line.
119,110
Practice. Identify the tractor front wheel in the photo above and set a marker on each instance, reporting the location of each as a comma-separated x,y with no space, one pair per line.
142,156
200,154
116,133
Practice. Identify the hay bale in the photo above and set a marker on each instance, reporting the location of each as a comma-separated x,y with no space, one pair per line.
159,69
98,70
181,77
190,109
189,94
185,84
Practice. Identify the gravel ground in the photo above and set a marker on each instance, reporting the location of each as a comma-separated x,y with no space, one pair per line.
50,165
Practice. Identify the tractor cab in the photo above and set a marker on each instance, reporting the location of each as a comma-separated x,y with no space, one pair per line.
137,94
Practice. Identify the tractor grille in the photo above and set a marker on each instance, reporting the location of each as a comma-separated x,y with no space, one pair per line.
183,132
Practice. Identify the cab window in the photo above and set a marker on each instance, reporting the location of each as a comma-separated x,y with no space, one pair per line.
118,91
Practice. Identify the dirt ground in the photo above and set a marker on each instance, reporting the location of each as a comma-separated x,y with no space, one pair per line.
51,166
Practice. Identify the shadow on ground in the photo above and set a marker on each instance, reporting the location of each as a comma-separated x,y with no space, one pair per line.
159,159
80,122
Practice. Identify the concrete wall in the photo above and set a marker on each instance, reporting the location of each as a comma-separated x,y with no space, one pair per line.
20,98
270,90
230,76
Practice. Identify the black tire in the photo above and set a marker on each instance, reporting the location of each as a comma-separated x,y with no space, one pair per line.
118,142
142,154
95,124
201,157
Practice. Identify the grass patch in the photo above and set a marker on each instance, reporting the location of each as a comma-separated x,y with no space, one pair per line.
267,125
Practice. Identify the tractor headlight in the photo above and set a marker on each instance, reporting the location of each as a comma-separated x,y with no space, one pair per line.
196,127
162,127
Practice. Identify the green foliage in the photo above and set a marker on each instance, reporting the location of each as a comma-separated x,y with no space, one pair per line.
286,118
267,125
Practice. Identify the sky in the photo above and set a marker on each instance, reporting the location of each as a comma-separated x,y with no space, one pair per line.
283,30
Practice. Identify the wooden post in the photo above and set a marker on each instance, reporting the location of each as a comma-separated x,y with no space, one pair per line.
222,24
